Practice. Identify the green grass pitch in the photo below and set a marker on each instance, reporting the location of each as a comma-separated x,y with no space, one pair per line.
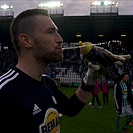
92,120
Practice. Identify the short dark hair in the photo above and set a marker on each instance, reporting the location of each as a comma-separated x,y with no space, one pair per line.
25,23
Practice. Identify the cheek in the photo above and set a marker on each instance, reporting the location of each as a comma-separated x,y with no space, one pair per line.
41,48
47,51
44,52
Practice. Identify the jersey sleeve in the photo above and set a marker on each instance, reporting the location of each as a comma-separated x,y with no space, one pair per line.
69,106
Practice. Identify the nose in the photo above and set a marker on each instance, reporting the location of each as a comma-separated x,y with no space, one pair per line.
59,38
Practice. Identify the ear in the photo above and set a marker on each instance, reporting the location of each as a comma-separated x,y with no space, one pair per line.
25,40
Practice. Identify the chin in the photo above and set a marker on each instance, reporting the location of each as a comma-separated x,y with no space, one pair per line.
57,58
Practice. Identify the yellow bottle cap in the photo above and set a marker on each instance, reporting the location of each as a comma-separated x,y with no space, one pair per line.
86,48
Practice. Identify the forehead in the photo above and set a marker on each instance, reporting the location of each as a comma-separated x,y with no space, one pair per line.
45,21
126,76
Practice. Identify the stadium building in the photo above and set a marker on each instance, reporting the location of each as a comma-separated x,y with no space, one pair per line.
103,26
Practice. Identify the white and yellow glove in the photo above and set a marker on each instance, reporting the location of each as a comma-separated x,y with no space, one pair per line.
91,76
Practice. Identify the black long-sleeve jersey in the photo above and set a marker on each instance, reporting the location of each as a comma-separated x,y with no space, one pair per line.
31,106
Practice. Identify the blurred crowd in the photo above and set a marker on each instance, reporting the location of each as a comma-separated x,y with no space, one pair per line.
72,59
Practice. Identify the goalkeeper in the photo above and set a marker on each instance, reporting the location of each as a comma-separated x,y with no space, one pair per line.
29,103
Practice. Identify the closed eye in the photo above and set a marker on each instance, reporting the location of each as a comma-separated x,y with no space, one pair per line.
52,30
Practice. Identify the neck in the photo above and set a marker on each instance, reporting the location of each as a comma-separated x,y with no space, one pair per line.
122,81
33,70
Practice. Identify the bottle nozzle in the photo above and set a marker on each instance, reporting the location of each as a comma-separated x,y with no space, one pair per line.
85,48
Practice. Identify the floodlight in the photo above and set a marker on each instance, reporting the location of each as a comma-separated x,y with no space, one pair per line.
107,3
51,4
98,3
95,3
6,7
104,8
54,7
6,10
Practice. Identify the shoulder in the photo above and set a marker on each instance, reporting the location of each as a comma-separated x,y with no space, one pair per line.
49,80
8,78
117,85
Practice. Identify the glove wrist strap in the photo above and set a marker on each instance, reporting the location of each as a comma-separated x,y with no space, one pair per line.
86,87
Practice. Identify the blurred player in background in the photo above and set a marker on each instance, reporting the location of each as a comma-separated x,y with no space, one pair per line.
123,101
95,94
131,123
105,91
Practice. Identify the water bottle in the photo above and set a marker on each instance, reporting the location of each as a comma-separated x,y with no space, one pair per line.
92,54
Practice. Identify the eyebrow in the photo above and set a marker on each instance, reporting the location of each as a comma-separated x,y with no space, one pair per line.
52,28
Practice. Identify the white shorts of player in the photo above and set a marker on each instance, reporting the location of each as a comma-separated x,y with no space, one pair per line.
126,111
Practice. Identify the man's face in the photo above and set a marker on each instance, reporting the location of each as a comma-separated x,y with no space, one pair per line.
126,78
47,41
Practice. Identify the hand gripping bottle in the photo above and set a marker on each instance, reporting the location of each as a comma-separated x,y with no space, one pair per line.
91,53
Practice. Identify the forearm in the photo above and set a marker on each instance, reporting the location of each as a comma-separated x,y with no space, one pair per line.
82,95
72,106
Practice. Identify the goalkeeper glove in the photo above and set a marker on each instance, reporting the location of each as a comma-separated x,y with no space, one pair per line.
91,76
